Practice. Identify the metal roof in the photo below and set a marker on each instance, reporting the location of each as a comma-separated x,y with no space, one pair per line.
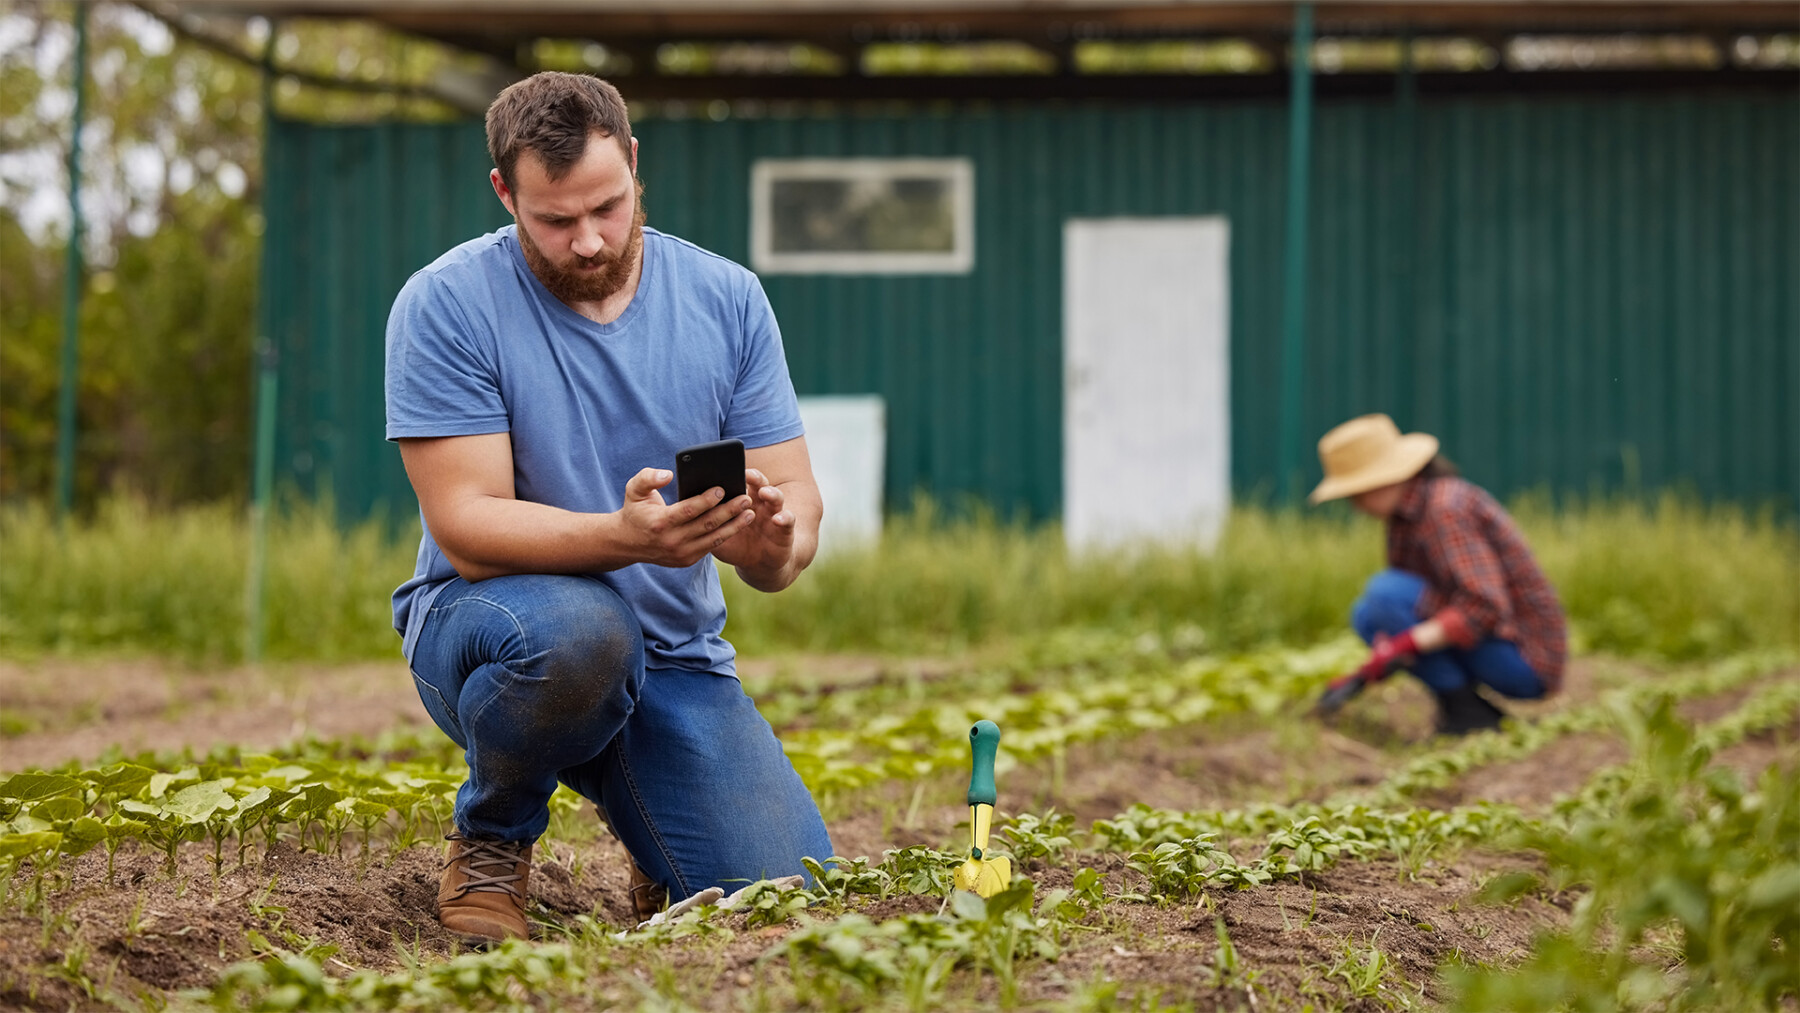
837,20
506,30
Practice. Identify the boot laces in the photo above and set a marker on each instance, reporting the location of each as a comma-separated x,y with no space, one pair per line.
479,855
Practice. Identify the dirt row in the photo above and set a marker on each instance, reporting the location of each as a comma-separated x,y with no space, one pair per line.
106,940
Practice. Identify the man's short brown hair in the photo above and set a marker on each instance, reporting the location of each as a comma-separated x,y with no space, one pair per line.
553,114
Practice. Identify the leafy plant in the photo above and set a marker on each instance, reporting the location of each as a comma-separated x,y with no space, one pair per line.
1182,868
922,870
1681,848
496,978
1030,836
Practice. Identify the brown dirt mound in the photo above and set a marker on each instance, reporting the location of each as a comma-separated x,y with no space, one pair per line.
141,929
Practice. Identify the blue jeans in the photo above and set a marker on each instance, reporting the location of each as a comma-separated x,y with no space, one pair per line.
541,679
1390,604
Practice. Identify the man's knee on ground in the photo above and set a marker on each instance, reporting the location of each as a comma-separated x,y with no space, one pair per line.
588,647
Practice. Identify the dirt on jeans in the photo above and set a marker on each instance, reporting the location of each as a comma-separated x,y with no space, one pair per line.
130,930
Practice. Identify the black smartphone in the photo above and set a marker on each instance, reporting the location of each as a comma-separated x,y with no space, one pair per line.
699,468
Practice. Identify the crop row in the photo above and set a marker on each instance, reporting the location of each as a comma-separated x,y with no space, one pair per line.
1059,658
321,797
1180,853
931,738
1149,686
1520,738
46,814
848,957
1407,830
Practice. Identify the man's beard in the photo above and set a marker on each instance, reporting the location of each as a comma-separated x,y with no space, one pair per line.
573,284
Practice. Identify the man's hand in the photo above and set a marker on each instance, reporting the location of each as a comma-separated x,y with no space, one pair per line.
766,544
682,534
783,535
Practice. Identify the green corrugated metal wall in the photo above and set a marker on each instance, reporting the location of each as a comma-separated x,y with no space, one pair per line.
1574,293
352,212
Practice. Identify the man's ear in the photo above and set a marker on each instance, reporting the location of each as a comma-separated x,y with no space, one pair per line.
634,158
502,192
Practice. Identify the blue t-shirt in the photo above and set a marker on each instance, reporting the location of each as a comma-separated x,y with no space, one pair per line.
476,344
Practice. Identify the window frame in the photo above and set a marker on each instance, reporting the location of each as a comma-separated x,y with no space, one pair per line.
958,172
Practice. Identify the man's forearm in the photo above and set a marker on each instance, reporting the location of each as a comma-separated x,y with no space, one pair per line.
490,536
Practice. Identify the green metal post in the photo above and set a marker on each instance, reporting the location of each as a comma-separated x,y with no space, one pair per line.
71,344
1406,233
1293,296
267,386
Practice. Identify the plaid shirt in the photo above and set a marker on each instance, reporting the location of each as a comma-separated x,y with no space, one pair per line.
1473,559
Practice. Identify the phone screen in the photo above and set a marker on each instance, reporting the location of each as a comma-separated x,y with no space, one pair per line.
699,468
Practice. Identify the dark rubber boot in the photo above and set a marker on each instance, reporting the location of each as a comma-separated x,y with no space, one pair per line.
1462,711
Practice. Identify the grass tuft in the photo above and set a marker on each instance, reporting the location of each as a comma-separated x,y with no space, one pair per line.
1673,579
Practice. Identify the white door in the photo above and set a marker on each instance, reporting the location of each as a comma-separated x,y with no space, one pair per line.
1146,382
846,436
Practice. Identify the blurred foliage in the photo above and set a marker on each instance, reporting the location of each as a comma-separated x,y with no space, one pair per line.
170,162
172,176
746,58
1675,581
1689,890
131,579
1170,56
1671,579
999,56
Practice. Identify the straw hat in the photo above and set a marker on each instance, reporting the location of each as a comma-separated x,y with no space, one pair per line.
1367,453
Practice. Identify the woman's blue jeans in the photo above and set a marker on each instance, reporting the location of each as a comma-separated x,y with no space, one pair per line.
541,679
1390,604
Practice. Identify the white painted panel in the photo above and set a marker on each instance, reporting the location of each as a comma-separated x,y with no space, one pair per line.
1146,407
847,438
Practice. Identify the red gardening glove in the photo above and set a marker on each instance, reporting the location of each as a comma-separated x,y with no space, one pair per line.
1388,653
1341,691
1385,654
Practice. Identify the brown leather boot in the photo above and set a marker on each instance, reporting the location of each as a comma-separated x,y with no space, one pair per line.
482,895
647,896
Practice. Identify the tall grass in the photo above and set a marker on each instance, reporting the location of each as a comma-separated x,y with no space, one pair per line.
131,580
1672,579
938,585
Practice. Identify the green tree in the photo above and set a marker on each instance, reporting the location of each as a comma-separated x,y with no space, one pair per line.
171,194
170,153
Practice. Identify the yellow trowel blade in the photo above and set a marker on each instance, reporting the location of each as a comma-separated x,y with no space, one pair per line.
984,876
981,874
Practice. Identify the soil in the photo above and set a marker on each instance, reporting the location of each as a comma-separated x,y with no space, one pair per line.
136,934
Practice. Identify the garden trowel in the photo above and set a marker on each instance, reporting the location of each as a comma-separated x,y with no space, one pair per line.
981,874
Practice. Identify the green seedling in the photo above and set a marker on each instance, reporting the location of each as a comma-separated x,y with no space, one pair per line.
1031,837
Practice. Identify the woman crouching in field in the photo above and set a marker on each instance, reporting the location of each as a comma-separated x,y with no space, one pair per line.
1462,603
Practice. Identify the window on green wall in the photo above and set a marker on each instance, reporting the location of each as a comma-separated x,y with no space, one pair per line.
862,216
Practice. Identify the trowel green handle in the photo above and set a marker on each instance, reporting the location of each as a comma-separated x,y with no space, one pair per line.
984,741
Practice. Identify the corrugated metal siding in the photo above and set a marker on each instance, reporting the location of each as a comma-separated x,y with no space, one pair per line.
1573,293
352,213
